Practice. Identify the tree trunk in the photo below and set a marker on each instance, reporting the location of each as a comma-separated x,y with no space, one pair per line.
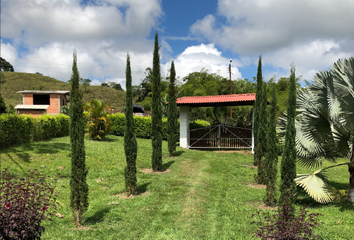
350,194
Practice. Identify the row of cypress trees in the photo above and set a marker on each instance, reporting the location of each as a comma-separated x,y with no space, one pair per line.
265,156
78,185
130,144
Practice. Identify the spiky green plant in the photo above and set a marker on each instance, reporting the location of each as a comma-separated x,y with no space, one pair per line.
78,186
156,113
98,119
130,145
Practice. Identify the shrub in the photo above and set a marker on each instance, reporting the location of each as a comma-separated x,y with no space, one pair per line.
97,115
24,204
143,126
16,129
286,224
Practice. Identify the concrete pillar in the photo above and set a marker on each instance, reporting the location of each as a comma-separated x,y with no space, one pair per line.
184,126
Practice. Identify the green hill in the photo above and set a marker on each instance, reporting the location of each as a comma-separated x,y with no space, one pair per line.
14,82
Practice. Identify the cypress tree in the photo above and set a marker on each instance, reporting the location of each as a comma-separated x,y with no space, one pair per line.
130,145
172,112
156,113
257,108
288,163
261,147
271,158
78,186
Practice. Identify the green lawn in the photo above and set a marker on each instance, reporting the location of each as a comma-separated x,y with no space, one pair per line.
205,196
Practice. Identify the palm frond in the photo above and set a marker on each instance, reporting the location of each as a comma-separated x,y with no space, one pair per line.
316,186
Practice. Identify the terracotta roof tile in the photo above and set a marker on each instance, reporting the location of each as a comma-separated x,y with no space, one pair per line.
217,100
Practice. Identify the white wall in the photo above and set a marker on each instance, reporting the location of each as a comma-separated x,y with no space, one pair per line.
184,126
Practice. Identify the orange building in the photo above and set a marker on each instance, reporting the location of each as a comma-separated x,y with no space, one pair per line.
37,103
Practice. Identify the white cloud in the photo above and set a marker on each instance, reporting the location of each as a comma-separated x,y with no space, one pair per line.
8,52
35,21
102,33
195,58
312,34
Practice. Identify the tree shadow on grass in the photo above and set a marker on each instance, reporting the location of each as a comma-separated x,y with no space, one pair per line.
15,162
51,148
178,153
142,188
98,216
167,165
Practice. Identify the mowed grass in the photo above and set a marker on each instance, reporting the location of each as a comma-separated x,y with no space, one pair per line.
205,196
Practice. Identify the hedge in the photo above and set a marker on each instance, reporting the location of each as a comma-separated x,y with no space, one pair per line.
16,129
143,125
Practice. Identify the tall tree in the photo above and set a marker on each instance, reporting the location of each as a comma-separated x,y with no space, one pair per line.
288,163
257,107
156,114
261,147
130,145
172,114
271,158
78,186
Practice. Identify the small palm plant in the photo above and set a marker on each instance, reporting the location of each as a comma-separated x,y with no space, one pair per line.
325,128
98,119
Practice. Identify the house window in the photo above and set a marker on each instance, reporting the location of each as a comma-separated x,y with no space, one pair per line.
41,99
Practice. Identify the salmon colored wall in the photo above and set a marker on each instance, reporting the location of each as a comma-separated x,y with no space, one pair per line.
28,99
54,107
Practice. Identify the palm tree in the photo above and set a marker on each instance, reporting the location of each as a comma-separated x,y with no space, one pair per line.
325,128
98,117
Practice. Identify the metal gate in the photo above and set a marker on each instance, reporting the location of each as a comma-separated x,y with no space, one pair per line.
221,136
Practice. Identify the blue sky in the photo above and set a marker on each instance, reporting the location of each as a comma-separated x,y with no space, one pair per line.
40,36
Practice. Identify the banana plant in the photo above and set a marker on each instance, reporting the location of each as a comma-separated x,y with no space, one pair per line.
325,128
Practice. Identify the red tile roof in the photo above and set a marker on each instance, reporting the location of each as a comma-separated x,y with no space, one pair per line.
217,100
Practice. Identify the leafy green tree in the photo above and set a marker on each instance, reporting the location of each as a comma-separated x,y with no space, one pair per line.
5,66
98,119
325,128
257,108
86,82
105,85
130,144
115,86
172,112
3,108
271,157
261,147
78,186
288,163
156,114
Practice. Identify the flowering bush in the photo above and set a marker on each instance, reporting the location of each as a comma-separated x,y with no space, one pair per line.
24,204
